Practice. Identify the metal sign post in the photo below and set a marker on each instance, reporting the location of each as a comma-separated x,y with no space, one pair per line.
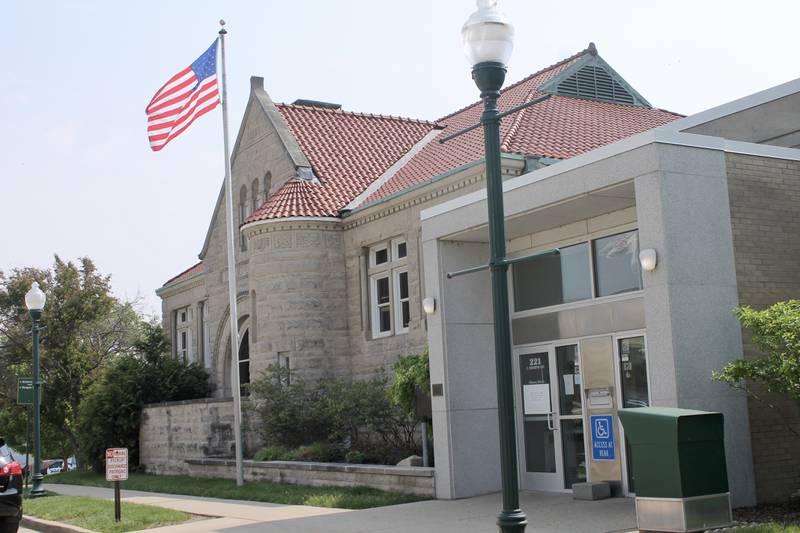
116,471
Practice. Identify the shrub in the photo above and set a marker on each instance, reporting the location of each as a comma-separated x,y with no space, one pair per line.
317,451
274,453
354,456
288,410
344,415
110,411
411,373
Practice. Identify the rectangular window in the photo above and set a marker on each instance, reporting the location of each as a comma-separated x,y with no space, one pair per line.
381,306
379,256
553,279
182,346
402,308
616,264
400,250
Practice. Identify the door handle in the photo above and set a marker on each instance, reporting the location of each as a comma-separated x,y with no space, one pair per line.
551,422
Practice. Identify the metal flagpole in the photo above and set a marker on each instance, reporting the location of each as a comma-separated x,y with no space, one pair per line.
234,316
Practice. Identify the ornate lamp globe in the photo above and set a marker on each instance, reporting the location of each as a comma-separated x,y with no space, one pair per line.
35,298
487,35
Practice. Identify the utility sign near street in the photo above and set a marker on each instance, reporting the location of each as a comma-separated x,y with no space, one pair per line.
116,464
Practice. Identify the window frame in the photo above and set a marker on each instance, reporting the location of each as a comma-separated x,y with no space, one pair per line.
244,387
398,301
396,250
375,306
594,299
391,270
373,251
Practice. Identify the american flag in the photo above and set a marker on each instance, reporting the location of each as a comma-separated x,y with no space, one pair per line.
187,95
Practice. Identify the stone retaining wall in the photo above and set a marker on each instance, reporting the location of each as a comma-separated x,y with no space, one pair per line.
408,480
172,432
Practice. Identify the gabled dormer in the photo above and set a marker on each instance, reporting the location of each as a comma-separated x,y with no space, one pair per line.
592,78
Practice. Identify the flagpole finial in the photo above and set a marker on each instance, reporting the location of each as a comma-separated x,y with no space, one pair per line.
222,30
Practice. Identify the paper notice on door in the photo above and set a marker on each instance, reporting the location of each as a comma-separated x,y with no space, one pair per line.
569,385
536,399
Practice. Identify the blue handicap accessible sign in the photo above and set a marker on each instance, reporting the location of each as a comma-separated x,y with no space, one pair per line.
602,438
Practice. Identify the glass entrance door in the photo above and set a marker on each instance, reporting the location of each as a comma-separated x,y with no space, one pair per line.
552,451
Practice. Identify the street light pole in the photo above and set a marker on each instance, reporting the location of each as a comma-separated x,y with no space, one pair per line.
488,42
489,77
34,301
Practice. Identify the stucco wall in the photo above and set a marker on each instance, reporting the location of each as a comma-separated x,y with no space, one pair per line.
194,429
764,198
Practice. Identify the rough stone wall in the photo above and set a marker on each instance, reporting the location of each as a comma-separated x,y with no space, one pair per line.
194,429
764,197
297,272
259,151
187,295
398,218
408,480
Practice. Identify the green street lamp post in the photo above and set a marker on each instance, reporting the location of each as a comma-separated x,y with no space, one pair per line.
34,301
488,41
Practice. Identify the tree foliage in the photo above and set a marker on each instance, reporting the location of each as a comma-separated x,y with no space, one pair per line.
776,332
110,413
411,373
84,326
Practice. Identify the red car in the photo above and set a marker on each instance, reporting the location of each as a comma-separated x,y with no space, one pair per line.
10,491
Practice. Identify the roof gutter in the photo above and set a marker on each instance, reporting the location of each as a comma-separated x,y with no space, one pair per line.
417,186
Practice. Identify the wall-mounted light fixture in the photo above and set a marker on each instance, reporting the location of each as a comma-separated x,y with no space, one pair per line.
429,305
648,259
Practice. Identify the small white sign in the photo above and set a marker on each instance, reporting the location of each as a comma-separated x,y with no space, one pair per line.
537,399
116,464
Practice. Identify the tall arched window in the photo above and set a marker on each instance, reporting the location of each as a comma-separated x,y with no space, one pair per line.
243,214
254,196
244,364
267,184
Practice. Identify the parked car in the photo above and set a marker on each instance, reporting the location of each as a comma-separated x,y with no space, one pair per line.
54,466
10,491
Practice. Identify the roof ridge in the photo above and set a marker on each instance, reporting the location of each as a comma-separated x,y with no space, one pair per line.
357,113
588,50
173,278
515,124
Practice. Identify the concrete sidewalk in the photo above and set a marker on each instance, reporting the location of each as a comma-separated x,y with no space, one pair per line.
547,513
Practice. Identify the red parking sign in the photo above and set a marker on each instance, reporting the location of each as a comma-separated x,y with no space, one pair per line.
116,464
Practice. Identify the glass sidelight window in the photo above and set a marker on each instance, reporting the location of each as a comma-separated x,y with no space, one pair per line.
633,372
569,371
633,385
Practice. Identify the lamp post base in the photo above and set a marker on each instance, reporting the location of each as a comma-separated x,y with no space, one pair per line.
512,521
38,486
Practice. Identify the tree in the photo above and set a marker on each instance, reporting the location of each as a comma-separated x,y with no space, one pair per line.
776,333
84,326
110,413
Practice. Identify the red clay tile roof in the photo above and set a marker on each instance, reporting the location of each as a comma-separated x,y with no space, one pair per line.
191,271
559,127
347,152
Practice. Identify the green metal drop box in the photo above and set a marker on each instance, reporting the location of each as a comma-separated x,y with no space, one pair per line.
678,462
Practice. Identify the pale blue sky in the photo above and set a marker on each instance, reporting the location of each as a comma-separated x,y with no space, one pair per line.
77,175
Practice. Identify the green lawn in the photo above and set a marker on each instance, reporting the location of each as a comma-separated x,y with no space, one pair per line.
770,528
98,515
259,491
